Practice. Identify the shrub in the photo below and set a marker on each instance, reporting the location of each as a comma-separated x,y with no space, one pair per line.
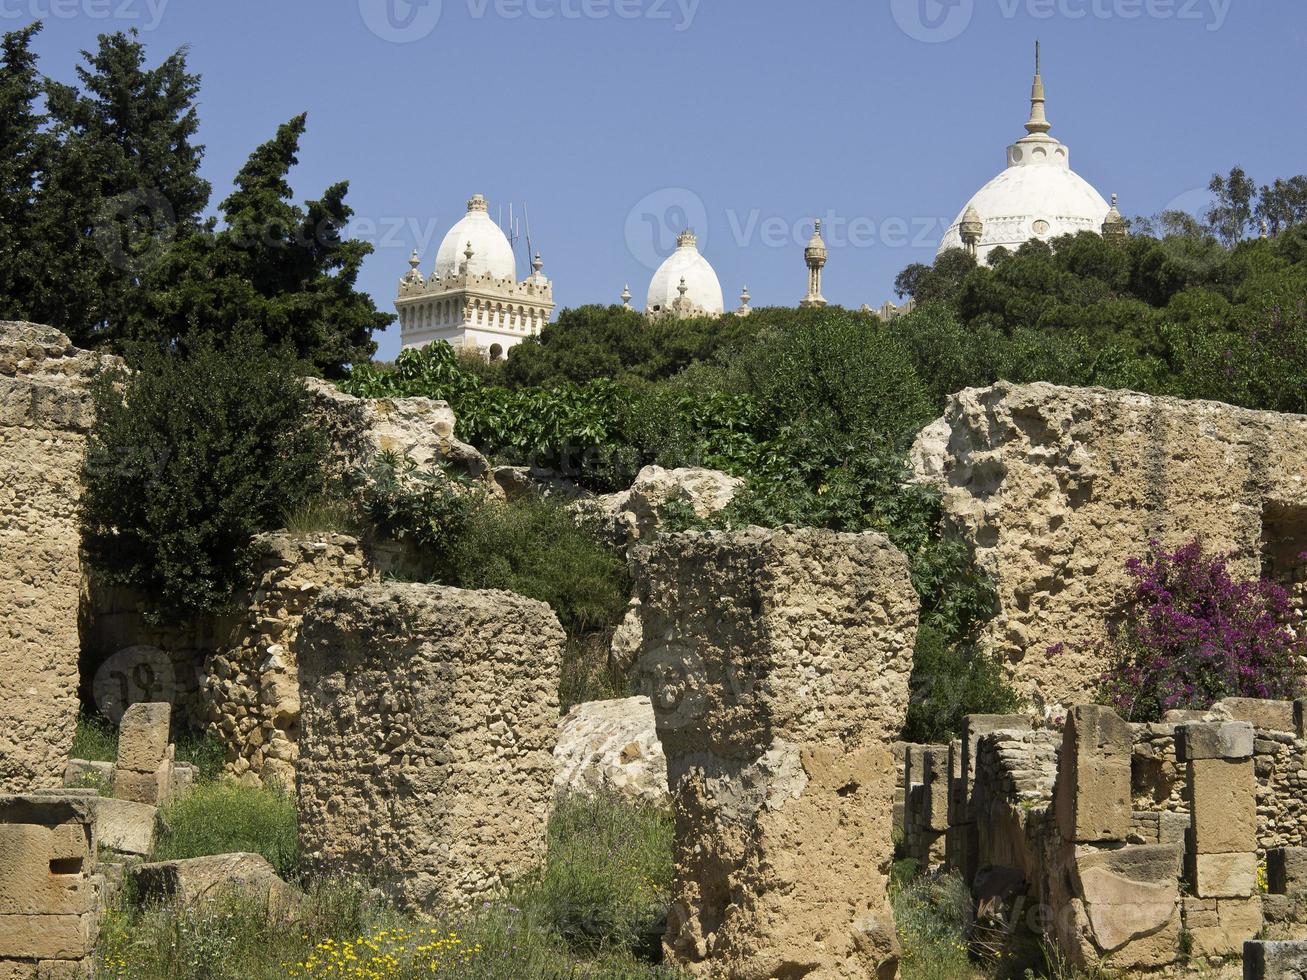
192,455
223,818
949,682
934,917
1190,634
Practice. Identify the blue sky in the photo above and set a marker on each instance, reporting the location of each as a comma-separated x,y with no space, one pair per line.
618,120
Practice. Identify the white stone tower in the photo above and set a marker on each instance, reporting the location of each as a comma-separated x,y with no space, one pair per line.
815,256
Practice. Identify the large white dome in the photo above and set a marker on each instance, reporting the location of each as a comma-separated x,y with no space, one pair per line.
491,252
703,292
1037,196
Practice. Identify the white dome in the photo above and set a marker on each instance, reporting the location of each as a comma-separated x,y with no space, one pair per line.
490,249
1037,196
702,289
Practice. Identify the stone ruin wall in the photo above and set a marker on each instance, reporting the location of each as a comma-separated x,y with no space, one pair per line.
46,411
777,663
1055,488
1143,843
251,684
429,717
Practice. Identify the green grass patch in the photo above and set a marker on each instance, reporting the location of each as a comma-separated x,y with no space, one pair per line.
933,917
222,818
96,739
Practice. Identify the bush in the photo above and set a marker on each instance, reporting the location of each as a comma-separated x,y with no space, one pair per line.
191,456
934,918
949,682
223,818
1190,634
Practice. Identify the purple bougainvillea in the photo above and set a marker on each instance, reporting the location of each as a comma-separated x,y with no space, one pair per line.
1191,634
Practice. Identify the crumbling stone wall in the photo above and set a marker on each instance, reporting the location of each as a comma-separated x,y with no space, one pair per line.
428,717
46,410
49,890
252,683
777,663
1056,487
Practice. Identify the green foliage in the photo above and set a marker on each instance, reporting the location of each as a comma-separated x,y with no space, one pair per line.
95,740
224,817
191,456
951,680
24,155
934,919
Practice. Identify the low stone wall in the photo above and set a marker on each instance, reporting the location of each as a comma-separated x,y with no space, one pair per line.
777,663
46,411
429,716
252,683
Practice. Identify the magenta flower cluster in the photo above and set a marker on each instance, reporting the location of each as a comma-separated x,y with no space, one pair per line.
1190,633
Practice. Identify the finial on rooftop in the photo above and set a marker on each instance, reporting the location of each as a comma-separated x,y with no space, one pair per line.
1114,226
682,288
478,203
1038,122
626,296
685,238
537,264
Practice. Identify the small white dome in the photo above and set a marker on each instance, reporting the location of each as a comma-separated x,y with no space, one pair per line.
702,289
1037,196
490,249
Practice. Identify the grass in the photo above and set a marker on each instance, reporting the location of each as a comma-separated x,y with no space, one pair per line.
585,674
95,740
222,818
323,515
933,917
594,909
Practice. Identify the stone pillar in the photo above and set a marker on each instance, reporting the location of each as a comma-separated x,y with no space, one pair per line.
143,772
1092,799
429,720
1274,960
49,902
1221,856
46,410
778,663
963,843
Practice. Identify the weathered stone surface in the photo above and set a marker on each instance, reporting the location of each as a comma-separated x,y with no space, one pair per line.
1275,716
1224,875
611,747
429,717
1093,783
1286,870
637,515
777,663
124,826
251,683
1056,487
205,879
1217,740
82,774
1224,817
1265,960
46,410
143,737
1224,930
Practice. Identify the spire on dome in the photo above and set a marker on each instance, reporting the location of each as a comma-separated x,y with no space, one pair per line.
1038,122
478,203
626,296
745,309
1114,227
687,239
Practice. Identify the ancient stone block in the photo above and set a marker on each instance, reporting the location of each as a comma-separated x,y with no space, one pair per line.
611,747
46,409
1224,931
1216,740
151,788
1265,960
777,663
1274,716
143,737
1223,875
1092,798
1224,802
429,719
205,879
1057,487
125,826
1286,870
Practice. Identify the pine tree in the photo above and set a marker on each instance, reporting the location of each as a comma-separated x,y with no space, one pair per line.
276,270
123,183
24,151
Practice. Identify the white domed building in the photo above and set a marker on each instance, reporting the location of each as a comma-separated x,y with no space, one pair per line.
473,298
685,285
1037,196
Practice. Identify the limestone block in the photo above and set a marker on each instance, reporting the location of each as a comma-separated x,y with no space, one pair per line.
1223,875
777,664
1224,801
144,787
1286,870
195,881
44,869
1274,716
80,773
1216,740
1223,931
143,737
47,937
936,772
124,826
1264,960
611,747
429,718
1092,799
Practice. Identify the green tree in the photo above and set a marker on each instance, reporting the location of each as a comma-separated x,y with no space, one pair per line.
24,155
276,269
1283,204
1231,214
123,183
